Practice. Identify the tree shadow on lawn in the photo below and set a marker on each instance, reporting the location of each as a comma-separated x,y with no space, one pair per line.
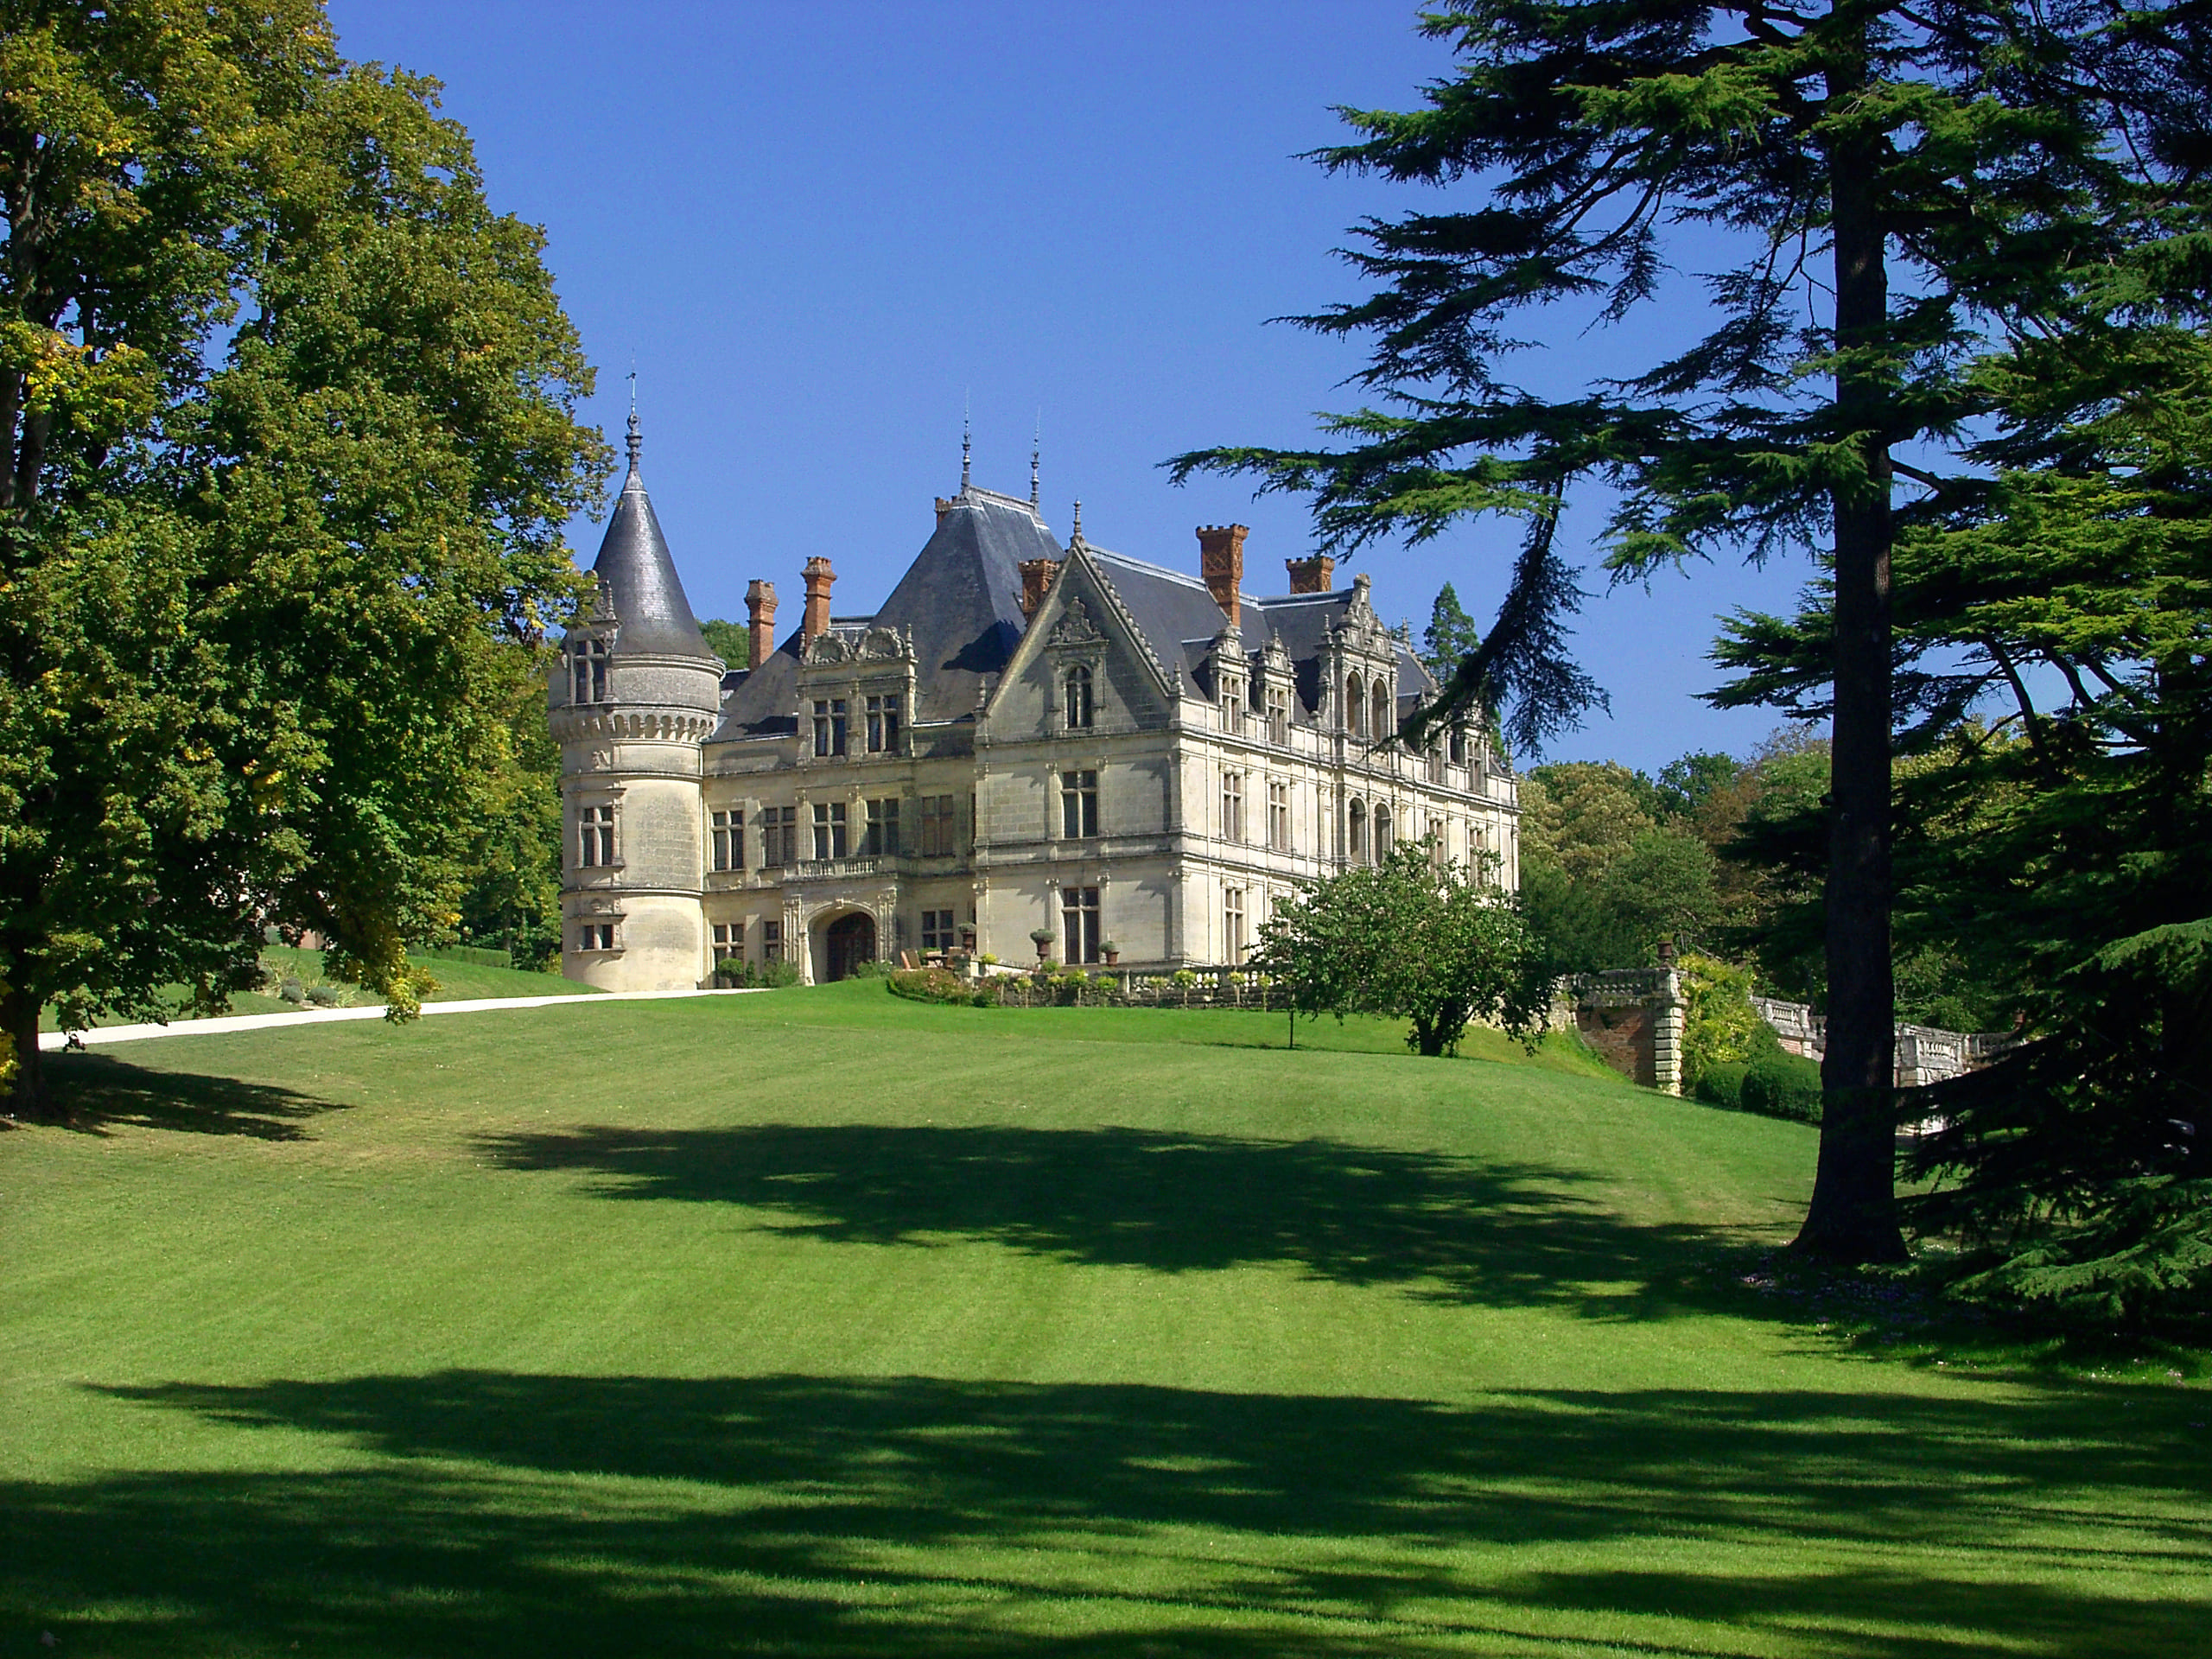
922,1516
1359,1215
98,1089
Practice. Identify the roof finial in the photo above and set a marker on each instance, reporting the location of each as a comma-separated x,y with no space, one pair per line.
965,446
636,442
1036,453
1075,534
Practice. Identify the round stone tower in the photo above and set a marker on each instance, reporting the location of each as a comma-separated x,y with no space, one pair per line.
634,697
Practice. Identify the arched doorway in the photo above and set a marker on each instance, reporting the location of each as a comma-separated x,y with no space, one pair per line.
846,942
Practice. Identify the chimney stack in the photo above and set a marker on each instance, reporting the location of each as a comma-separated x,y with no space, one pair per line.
1312,575
761,607
1036,581
1221,562
815,618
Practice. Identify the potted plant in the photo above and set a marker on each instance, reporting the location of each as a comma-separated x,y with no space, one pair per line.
1110,950
1042,937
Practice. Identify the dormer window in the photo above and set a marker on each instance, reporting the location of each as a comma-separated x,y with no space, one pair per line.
1232,705
588,670
1458,746
1080,710
883,714
829,726
1279,715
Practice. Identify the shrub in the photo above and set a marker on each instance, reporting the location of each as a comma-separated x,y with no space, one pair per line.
324,996
1722,1084
873,970
1782,1084
1719,1026
933,985
290,990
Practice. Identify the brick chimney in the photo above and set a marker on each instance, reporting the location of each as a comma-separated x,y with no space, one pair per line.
1312,575
1036,581
761,607
815,619
1221,563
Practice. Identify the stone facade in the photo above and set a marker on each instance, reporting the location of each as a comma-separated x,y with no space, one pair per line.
1025,736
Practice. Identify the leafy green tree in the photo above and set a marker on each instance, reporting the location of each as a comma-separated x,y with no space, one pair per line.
1414,939
289,436
1884,189
1583,815
1451,638
1687,784
731,641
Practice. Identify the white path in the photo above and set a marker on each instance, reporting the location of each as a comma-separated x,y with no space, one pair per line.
102,1034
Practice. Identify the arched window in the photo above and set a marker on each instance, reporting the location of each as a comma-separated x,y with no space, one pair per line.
1382,833
1355,705
1356,833
588,670
1385,717
1079,704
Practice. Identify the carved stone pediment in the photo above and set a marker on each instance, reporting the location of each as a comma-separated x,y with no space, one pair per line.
1074,628
827,648
883,646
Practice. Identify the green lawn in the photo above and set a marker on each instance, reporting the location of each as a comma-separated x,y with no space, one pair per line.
819,1322
457,982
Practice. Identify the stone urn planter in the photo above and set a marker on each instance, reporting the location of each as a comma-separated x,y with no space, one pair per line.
1110,950
1042,937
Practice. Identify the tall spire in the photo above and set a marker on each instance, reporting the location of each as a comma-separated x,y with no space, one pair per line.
636,442
965,446
1036,453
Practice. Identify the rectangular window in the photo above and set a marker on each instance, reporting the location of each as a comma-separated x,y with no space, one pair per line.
778,837
1458,746
1279,816
595,837
1079,923
937,931
1435,762
883,724
587,671
730,941
728,841
1232,705
1279,715
1078,804
882,840
1232,806
939,831
829,726
830,839
1232,925
595,936
771,941
1079,707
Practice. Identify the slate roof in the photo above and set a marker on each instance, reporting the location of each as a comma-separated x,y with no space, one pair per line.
962,599
654,618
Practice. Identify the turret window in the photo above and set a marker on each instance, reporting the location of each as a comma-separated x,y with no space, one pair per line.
1080,711
595,837
588,670
595,936
883,714
829,726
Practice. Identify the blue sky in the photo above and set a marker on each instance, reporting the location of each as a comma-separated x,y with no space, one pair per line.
818,230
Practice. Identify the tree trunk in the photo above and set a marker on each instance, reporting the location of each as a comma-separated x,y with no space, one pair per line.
27,1100
1853,1216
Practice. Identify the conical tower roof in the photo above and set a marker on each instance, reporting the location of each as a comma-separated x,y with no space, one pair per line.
638,575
